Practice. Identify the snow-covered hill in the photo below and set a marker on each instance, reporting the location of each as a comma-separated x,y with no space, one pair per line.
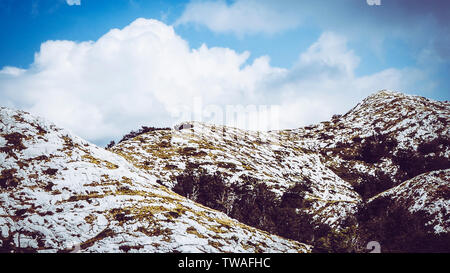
427,193
57,190
238,154
323,174
386,139
378,173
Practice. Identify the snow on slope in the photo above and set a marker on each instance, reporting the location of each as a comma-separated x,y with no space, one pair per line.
238,154
387,138
412,119
380,143
428,193
57,190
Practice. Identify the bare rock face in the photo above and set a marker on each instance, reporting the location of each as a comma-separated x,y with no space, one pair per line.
60,193
313,184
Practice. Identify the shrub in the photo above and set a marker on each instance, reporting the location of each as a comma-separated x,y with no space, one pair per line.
141,131
434,146
294,197
372,185
207,189
333,241
111,144
376,147
8,178
413,163
399,230
252,202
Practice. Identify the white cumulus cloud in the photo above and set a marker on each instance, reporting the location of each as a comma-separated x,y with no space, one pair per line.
145,73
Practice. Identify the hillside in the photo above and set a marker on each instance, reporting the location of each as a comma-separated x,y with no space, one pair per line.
386,139
313,184
58,190
377,173
412,216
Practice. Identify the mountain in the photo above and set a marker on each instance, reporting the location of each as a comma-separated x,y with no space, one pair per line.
58,191
386,139
336,185
377,173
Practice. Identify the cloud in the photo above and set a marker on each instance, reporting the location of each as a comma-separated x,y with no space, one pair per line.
323,82
12,71
145,74
420,24
240,17
73,2
330,51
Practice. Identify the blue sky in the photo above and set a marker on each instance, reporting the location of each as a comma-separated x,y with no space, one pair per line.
297,54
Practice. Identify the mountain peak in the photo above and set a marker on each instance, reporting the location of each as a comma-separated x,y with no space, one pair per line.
386,92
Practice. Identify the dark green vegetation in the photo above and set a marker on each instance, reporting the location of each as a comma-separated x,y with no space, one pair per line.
371,150
252,203
428,157
398,230
394,227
